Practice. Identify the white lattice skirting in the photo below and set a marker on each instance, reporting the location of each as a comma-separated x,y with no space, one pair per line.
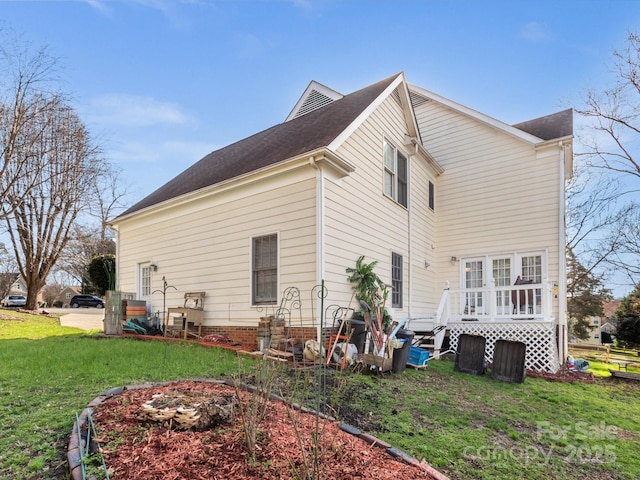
540,339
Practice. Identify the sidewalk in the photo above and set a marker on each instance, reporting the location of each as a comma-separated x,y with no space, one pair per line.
84,321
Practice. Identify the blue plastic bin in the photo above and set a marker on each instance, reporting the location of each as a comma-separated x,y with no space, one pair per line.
418,356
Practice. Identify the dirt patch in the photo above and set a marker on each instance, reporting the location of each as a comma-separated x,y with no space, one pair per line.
563,375
134,449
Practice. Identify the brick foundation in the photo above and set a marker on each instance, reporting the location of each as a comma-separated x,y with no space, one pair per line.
247,336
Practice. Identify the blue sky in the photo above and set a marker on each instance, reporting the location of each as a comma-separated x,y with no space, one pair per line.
162,83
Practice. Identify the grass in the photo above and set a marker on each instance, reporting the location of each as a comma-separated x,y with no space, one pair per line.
49,373
466,426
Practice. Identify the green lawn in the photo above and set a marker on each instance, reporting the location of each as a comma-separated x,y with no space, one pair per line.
467,427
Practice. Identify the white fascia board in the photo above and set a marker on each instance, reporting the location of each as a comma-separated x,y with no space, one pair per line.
565,143
409,114
347,132
492,122
332,165
430,160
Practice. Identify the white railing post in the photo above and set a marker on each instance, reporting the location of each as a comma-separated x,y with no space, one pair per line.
493,299
441,320
547,297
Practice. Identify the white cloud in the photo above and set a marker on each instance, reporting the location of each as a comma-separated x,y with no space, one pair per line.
134,111
536,32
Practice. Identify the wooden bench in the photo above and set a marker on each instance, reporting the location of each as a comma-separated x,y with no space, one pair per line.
622,364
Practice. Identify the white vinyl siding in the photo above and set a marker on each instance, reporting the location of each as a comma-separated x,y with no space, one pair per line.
359,222
498,193
205,245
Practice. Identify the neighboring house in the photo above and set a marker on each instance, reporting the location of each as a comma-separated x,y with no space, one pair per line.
594,332
13,283
65,295
454,205
609,330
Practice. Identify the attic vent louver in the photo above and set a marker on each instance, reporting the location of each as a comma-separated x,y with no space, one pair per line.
396,95
313,101
417,99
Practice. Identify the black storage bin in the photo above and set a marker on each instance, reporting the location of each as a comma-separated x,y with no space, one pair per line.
358,334
508,361
401,355
470,354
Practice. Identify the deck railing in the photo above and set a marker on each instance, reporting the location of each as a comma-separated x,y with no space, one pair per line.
498,304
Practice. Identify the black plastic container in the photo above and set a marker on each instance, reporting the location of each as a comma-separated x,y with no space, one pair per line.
358,334
401,355
470,354
508,361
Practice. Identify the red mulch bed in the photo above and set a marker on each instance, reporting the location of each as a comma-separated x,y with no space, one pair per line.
144,451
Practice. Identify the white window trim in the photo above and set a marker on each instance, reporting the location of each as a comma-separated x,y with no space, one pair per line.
139,284
251,296
385,170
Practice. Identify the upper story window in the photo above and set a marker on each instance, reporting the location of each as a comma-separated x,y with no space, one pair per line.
432,196
265,270
395,174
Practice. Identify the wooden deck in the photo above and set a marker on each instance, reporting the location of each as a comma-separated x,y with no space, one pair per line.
627,375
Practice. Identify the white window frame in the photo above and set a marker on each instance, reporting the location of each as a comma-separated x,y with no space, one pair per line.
392,160
272,300
145,273
473,299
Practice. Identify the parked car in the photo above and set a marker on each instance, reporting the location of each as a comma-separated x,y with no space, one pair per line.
86,301
15,301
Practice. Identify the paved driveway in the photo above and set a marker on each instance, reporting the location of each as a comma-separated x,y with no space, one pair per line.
84,318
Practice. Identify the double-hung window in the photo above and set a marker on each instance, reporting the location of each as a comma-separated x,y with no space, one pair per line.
264,269
396,174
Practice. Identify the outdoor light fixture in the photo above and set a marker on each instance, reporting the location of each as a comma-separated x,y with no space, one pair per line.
154,266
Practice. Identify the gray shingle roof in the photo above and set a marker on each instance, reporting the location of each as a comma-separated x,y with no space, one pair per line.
556,125
281,142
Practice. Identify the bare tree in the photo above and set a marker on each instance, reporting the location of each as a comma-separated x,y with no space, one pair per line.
603,215
49,196
109,194
614,115
84,243
24,100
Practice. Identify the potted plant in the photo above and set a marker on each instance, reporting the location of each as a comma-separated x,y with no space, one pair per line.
372,293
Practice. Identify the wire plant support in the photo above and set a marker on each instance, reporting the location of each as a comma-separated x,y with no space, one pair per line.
165,287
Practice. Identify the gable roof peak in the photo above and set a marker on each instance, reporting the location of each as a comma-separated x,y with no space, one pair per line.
315,96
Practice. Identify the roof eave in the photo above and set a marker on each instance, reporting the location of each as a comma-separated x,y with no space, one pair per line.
336,165
486,119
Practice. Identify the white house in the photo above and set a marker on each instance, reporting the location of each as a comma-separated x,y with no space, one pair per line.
454,205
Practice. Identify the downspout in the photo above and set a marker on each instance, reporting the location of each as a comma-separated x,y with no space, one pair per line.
410,238
320,231
562,284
